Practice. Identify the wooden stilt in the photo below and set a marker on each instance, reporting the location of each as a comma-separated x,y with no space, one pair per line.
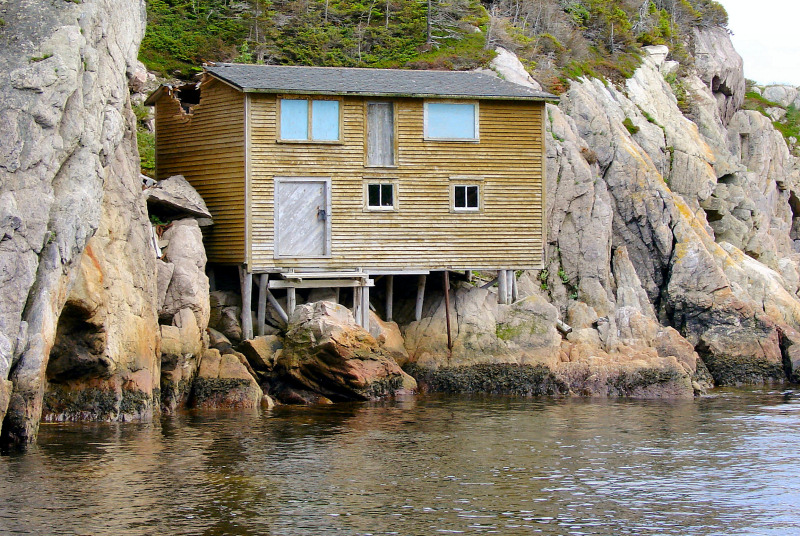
338,294
447,308
262,304
420,297
291,300
246,279
514,289
502,283
212,279
357,304
277,307
365,307
389,297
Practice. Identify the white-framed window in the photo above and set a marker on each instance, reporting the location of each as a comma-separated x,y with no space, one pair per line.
451,121
466,194
303,119
380,194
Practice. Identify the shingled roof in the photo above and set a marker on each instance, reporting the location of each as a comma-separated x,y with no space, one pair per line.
371,82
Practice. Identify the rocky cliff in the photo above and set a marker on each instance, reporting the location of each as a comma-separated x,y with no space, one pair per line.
75,268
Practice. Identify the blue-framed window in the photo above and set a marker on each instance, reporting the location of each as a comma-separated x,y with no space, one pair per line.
451,121
309,120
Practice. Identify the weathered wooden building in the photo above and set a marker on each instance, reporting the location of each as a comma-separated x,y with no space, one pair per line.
332,176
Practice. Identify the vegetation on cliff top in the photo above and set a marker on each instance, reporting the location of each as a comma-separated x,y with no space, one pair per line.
556,39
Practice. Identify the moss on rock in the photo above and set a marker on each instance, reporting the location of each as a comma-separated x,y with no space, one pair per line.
522,380
739,370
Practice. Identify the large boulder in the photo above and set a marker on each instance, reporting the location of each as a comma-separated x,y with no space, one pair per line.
780,94
176,196
327,352
226,314
223,381
262,352
188,286
483,331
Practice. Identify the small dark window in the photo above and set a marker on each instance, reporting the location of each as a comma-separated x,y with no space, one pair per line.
466,197
380,196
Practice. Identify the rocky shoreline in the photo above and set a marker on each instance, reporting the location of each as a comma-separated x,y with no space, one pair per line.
673,251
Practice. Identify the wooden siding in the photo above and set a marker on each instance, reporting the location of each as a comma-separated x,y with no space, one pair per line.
423,233
208,148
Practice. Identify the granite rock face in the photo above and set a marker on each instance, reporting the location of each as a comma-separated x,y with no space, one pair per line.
721,69
68,172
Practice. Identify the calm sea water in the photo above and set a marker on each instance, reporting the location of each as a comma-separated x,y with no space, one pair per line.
722,465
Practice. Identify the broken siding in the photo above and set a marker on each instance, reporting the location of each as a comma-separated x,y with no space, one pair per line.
423,232
208,148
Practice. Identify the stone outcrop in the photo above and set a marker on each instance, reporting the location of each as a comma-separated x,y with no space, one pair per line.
68,172
188,286
329,354
175,195
223,381
721,69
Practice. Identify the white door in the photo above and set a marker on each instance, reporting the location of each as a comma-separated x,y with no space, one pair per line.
302,222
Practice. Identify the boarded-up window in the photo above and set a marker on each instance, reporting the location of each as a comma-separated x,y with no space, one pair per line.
451,121
316,120
380,134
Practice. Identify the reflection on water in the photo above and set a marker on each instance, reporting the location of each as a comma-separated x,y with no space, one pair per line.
430,465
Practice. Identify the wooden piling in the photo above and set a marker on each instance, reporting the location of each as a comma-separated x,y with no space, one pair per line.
262,304
420,297
447,308
365,307
246,280
502,284
514,288
291,300
389,297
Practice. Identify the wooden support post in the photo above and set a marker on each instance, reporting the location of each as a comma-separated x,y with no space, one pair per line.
246,279
262,303
447,308
389,297
212,279
420,297
357,304
277,307
291,301
502,283
365,307
514,289
338,294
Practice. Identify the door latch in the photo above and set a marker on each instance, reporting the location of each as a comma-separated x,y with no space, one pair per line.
321,214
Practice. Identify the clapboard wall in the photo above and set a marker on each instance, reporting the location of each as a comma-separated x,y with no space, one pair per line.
207,146
423,233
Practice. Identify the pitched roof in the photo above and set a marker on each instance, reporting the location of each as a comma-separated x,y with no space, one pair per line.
371,82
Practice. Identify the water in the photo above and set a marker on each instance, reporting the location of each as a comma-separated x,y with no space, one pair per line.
721,465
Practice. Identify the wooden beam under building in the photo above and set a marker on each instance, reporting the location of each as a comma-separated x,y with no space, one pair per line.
420,297
246,281
261,315
389,297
